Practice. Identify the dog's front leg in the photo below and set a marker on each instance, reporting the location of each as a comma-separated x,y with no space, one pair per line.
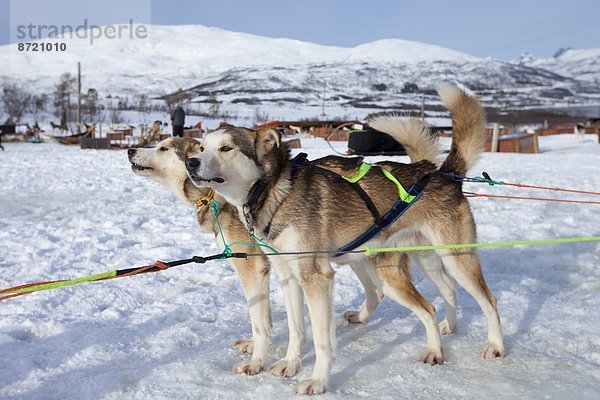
294,304
317,281
254,274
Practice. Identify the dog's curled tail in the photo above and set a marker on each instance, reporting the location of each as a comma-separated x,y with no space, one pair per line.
468,124
413,135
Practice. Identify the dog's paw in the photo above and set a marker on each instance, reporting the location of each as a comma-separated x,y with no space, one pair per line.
248,367
434,357
353,317
492,350
445,328
244,345
310,386
286,368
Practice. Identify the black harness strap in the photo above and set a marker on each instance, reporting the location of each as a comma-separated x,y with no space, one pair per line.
301,161
381,222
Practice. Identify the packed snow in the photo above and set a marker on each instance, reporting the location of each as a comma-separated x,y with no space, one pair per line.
66,212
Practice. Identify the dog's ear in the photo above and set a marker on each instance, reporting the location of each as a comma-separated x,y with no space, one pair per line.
225,125
267,139
193,147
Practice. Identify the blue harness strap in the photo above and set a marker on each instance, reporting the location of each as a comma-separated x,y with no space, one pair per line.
381,222
388,218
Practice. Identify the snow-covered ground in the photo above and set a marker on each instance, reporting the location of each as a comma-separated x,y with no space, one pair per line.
66,213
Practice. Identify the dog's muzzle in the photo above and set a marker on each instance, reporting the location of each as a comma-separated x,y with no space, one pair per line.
192,164
131,153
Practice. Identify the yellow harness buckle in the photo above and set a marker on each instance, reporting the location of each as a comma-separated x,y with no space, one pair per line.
205,200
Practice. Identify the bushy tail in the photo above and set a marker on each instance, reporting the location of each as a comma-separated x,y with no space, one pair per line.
468,124
415,137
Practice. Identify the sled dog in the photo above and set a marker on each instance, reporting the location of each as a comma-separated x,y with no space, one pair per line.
299,210
165,163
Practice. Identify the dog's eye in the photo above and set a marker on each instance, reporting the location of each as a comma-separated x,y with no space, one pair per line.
201,149
163,149
225,149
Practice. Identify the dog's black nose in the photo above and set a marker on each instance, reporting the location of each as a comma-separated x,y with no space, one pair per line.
131,152
192,163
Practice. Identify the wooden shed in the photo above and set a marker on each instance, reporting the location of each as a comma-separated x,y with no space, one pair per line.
515,143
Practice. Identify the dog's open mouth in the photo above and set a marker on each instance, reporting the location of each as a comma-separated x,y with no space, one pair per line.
200,179
137,167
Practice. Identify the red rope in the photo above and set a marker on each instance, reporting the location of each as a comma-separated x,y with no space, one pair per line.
522,185
529,198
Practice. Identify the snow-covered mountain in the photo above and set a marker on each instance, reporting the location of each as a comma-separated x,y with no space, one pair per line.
174,56
583,64
249,69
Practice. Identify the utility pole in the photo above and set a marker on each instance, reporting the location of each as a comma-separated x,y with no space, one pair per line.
423,107
323,103
78,97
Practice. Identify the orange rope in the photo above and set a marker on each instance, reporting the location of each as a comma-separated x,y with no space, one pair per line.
529,198
27,285
521,185
159,264
12,295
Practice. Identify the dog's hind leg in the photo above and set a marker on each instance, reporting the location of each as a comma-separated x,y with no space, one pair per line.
396,283
465,266
373,296
294,304
317,281
254,274
431,265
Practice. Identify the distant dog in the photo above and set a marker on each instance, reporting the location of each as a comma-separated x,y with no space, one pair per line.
56,126
306,211
165,163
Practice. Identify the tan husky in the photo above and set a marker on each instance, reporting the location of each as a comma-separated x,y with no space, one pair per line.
306,211
165,163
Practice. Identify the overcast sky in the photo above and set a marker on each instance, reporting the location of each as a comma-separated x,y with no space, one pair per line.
501,29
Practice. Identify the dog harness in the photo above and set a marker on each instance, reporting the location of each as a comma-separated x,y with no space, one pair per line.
406,199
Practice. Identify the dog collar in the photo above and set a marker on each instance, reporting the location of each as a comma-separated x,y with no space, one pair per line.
205,200
255,193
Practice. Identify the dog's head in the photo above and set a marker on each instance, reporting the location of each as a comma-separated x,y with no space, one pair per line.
166,161
232,159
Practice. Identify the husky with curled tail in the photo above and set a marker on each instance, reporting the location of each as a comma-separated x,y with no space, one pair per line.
165,163
253,171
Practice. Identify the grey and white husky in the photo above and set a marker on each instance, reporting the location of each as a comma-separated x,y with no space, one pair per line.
308,211
165,163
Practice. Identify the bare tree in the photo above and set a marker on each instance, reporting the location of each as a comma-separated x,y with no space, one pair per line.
215,105
15,100
179,97
115,116
90,105
62,97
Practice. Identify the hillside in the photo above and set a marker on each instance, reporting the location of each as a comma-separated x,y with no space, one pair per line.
236,69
